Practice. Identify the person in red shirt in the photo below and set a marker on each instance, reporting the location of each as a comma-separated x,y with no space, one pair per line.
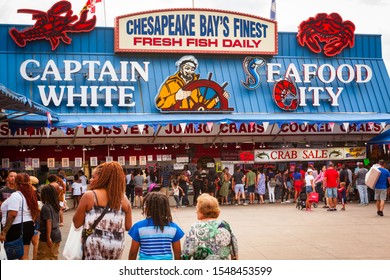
331,182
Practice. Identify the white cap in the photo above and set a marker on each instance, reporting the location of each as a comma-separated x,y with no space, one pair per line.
309,170
187,59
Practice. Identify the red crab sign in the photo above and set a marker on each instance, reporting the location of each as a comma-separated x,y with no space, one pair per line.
329,29
53,25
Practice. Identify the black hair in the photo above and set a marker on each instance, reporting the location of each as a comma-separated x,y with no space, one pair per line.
49,195
152,176
156,206
52,178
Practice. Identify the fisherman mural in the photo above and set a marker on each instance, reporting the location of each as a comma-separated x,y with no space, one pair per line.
185,91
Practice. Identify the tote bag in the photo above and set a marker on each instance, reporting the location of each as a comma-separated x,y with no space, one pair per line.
313,197
3,254
73,249
14,249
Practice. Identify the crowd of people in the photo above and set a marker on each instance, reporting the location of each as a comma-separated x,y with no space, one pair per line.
30,211
332,184
104,205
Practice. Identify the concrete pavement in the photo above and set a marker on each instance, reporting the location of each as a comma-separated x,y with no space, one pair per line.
281,232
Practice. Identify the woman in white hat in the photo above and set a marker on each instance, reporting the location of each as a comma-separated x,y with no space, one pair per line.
309,180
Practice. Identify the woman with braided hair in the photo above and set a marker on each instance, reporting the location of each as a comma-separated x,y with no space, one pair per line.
22,204
50,237
156,236
105,198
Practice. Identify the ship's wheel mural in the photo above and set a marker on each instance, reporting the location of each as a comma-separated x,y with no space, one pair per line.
184,91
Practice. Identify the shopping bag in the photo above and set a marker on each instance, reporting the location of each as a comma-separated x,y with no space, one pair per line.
3,254
73,249
313,197
14,249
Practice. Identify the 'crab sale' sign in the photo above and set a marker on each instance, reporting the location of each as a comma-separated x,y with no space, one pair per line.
298,154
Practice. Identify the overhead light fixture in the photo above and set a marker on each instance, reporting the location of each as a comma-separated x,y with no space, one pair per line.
137,147
70,147
112,147
58,148
262,145
30,148
187,147
225,145
22,149
213,146
307,144
124,146
84,148
238,146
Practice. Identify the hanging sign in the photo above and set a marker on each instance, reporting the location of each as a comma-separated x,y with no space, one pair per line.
195,130
334,153
195,31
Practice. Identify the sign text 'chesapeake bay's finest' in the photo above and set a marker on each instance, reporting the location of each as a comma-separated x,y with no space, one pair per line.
195,31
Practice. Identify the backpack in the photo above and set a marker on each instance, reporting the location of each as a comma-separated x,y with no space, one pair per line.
272,182
220,181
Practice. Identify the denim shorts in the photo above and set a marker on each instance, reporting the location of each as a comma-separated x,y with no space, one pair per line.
332,192
309,189
239,188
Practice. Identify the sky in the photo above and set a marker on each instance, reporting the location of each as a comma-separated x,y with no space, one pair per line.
369,16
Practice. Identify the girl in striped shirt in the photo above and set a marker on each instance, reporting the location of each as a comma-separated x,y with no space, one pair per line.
156,237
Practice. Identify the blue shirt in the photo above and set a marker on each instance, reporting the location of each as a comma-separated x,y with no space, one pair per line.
381,184
297,176
154,243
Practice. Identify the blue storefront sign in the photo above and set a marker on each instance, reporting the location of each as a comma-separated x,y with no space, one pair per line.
92,82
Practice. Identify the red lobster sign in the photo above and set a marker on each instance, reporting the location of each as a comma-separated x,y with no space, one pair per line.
53,25
331,30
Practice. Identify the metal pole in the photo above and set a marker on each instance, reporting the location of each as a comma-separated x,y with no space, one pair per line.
104,8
